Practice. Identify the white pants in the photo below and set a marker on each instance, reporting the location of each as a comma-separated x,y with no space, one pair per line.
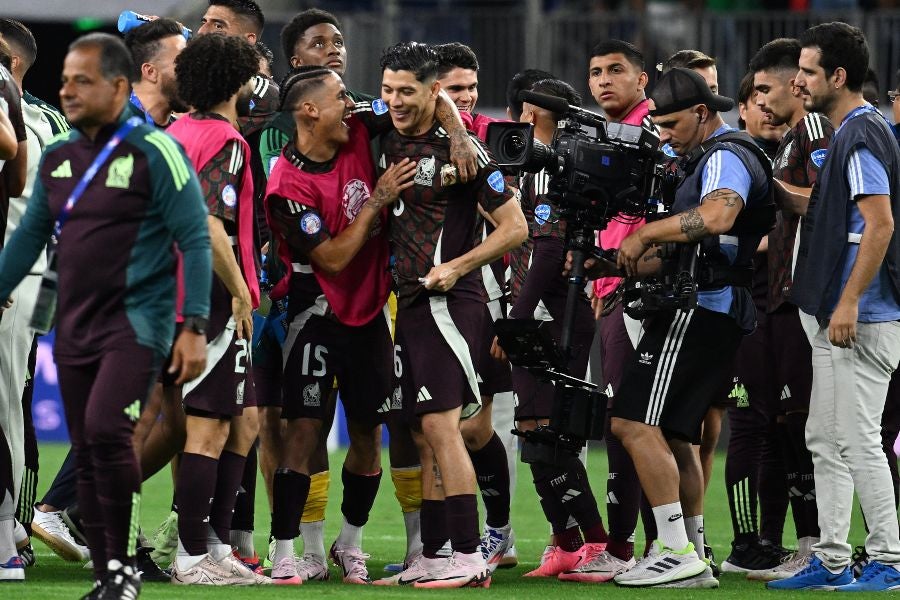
843,434
16,337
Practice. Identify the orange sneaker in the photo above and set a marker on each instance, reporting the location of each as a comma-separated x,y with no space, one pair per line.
555,561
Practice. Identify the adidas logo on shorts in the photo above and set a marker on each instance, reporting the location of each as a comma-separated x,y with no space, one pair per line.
424,395
646,358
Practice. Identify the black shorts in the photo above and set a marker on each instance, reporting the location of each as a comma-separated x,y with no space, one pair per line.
678,368
792,359
224,387
890,418
320,350
496,376
436,345
753,383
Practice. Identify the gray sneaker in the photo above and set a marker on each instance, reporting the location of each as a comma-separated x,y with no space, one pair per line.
663,565
703,581
206,572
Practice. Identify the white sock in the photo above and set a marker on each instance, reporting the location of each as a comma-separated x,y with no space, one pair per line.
805,544
693,526
350,536
670,525
243,541
218,551
184,562
7,539
413,533
313,538
283,548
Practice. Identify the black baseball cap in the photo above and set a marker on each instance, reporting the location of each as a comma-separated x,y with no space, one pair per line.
681,88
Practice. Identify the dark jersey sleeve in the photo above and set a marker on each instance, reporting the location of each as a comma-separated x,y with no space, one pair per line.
490,186
817,137
264,107
220,180
10,93
374,115
301,226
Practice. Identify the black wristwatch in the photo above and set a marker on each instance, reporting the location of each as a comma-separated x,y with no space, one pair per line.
196,324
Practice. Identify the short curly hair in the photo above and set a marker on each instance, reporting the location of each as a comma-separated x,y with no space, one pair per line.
302,21
212,68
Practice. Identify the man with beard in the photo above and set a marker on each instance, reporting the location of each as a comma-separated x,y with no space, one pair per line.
154,94
214,75
847,288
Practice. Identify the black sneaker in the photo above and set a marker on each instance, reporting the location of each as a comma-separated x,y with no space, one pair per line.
711,557
123,583
147,568
858,561
751,556
26,553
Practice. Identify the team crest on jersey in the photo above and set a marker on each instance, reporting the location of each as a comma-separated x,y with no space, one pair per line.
425,171
818,157
495,180
120,171
541,213
356,192
229,196
379,107
311,395
311,224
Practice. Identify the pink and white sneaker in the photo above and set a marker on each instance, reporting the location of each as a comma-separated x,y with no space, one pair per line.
460,570
554,561
601,568
284,572
419,568
352,562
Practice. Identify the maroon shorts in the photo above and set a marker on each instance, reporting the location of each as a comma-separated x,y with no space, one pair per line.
437,342
792,359
496,376
165,378
267,385
890,418
615,351
320,350
752,383
224,386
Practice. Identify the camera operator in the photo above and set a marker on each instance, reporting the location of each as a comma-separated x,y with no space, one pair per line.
538,288
684,355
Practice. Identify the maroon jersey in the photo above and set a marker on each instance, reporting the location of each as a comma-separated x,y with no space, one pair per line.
263,108
433,220
795,164
307,203
9,93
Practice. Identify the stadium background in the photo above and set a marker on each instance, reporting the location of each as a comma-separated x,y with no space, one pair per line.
507,35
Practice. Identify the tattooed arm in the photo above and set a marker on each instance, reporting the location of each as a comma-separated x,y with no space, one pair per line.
462,148
715,215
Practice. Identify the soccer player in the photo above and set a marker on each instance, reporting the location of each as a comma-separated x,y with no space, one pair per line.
493,454
441,316
327,221
617,79
523,80
153,47
848,293
540,291
775,67
115,311
214,76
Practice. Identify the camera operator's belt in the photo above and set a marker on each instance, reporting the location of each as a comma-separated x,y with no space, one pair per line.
854,238
301,268
732,240
710,276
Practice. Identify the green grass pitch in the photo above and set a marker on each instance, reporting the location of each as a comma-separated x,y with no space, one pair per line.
52,578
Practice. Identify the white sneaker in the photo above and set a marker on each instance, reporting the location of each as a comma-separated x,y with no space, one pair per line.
494,545
205,572
663,565
703,581
460,570
792,565
50,528
312,567
600,569
242,573
352,562
419,568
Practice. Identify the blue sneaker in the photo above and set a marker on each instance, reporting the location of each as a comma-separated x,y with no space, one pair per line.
876,577
814,577
13,569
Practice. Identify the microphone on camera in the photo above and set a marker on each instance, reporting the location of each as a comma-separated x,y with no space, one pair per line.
559,106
